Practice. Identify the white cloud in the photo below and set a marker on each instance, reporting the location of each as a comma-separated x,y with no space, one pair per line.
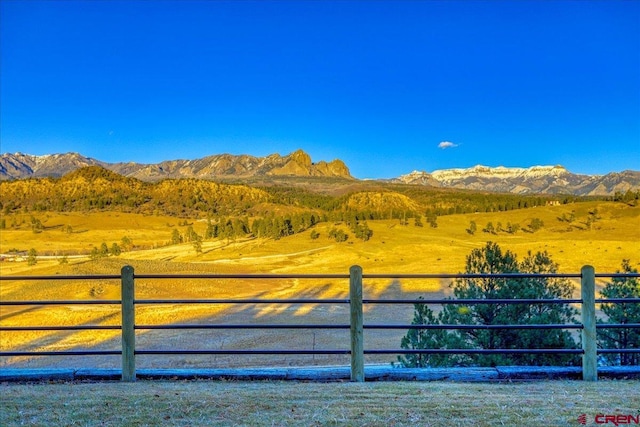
447,144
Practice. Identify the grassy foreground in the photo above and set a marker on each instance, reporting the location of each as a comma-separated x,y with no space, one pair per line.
200,403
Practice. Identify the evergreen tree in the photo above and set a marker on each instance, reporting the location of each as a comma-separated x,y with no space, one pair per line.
362,231
94,254
535,224
419,339
32,257
492,260
621,313
104,250
191,234
489,228
338,235
176,237
211,231
115,250
127,243
472,228
36,225
513,228
197,243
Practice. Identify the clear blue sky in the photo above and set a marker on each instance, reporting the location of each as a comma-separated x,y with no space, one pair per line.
378,84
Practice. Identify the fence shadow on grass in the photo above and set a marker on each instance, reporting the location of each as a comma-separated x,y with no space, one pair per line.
274,321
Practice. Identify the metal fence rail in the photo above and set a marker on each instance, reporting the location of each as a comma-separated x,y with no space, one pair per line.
356,324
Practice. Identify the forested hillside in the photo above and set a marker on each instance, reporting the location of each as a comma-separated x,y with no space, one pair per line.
94,188
270,209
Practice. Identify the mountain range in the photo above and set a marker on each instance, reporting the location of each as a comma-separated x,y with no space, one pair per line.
298,163
532,180
536,179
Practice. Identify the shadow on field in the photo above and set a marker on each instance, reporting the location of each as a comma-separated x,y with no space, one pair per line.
236,315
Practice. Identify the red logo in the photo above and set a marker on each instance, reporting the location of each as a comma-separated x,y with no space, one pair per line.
616,420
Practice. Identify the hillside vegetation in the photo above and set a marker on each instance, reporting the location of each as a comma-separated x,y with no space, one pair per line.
96,188
382,227
190,226
232,208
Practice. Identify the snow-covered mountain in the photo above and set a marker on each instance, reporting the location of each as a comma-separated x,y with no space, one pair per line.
446,175
536,179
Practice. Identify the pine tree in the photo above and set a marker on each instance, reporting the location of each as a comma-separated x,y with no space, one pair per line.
492,260
621,313
418,339
104,250
94,254
176,237
115,250
489,228
197,243
32,257
472,228
536,224
127,243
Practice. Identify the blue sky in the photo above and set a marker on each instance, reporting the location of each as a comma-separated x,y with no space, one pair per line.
380,85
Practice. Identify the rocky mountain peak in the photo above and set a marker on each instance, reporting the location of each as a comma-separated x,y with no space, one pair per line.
298,163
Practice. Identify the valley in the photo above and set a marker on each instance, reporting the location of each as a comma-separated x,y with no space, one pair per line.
392,248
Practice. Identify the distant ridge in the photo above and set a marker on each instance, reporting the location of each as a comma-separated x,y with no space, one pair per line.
532,180
298,163
19,165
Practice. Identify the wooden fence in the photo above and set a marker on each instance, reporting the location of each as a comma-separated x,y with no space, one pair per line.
128,327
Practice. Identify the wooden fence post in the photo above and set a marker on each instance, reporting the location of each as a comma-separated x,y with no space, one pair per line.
128,325
357,335
589,343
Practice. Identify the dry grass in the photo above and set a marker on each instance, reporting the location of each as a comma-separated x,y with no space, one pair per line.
393,248
86,231
206,403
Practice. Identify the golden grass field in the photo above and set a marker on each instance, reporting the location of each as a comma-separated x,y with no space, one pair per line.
394,248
